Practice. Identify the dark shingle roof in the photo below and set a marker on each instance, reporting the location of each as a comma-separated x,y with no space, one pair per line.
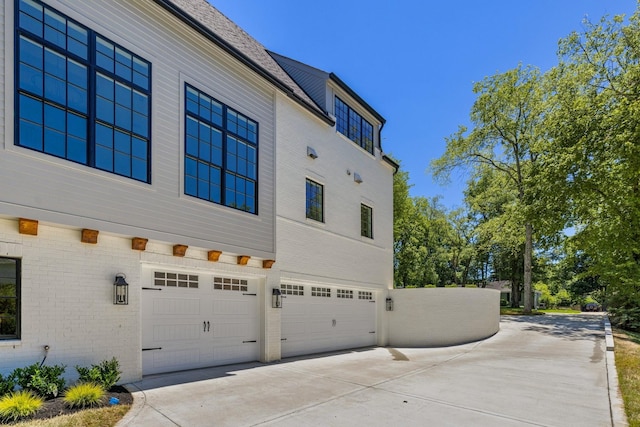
202,16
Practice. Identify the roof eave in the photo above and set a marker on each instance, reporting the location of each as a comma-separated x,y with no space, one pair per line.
224,45
391,162
357,97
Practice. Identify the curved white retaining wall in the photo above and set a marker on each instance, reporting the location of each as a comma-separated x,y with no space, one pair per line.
431,317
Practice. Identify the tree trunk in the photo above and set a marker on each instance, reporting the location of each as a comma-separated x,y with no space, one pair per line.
528,255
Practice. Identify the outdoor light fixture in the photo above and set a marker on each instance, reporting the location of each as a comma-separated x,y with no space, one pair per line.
120,290
312,153
389,304
357,178
276,298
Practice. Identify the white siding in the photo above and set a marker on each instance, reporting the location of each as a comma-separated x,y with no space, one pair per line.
333,251
51,189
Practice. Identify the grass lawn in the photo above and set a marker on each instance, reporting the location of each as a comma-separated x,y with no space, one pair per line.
627,353
99,417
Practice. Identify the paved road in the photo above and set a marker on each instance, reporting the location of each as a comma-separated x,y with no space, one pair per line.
537,371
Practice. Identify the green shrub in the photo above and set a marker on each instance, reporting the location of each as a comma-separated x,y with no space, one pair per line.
84,395
7,384
45,381
627,318
453,285
106,374
504,303
20,404
429,286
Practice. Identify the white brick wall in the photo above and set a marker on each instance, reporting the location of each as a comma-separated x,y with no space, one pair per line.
67,297
67,300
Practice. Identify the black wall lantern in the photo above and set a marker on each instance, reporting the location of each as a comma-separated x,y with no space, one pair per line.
276,298
120,290
389,304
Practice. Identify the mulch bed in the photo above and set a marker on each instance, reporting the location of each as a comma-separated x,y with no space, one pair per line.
56,406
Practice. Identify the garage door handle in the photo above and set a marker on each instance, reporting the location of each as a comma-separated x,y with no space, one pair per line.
151,289
153,348
208,326
372,332
244,342
204,326
283,339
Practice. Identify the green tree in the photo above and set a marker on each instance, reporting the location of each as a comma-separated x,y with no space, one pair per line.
427,248
506,118
591,154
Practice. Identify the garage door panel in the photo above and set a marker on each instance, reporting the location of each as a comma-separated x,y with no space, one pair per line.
293,328
231,308
176,332
313,322
198,325
173,359
243,352
229,329
169,305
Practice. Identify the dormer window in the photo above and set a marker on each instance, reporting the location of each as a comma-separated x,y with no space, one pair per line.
353,126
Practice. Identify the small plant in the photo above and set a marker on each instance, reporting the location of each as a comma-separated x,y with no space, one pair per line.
18,405
106,374
7,384
83,395
45,381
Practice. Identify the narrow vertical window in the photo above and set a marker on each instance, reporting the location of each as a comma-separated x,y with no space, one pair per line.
9,298
315,201
366,221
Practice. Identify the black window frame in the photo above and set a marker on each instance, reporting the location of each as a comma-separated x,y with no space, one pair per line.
233,139
16,297
117,141
352,125
366,221
314,209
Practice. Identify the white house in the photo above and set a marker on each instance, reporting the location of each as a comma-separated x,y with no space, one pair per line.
154,142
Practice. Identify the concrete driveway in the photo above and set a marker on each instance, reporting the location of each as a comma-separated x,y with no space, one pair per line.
541,370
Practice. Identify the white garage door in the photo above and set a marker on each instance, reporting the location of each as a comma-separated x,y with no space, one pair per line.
322,318
195,320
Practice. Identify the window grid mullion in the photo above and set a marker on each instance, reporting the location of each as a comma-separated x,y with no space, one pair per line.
93,99
223,172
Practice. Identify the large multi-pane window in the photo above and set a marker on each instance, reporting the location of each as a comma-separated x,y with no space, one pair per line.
9,298
366,221
353,126
315,201
80,96
221,153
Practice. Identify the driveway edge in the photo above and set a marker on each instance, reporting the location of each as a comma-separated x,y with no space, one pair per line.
139,400
618,416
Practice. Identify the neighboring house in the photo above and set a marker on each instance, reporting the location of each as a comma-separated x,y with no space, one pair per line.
155,138
504,286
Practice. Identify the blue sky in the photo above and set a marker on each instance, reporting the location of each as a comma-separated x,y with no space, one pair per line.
415,61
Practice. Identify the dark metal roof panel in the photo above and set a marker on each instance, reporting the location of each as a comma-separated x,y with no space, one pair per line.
312,80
